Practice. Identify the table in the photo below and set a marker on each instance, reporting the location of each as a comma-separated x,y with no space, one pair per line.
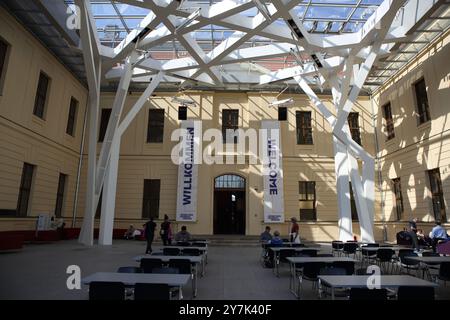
130,279
277,250
294,260
195,260
203,250
424,261
386,281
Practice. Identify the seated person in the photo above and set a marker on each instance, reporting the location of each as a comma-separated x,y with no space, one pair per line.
129,234
183,235
423,239
266,236
276,240
437,234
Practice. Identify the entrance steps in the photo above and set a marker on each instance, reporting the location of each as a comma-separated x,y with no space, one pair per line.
231,240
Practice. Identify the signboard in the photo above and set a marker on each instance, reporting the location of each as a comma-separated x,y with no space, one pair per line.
188,171
272,170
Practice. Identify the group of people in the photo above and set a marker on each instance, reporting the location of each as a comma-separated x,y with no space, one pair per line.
266,236
437,234
165,233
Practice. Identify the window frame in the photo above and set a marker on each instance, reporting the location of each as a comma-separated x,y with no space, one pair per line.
151,201
4,66
233,115
60,194
303,128
72,118
155,129
40,110
398,198
389,122
423,116
355,129
437,195
25,190
307,196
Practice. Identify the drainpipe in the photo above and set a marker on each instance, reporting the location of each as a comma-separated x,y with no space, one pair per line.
80,162
380,175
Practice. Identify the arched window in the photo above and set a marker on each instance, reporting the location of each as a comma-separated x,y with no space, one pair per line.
229,181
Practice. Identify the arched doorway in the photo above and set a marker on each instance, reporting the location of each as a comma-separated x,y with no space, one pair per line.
229,204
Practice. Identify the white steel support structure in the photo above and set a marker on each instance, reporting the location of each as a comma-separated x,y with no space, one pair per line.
341,62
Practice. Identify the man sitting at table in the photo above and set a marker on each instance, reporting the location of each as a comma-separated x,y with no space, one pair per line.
266,236
183,235
276,240
437,234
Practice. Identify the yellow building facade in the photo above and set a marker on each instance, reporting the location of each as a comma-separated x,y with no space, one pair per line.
44,143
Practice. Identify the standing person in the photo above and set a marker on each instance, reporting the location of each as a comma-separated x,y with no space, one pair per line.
150,227
294,230
166,231
413,233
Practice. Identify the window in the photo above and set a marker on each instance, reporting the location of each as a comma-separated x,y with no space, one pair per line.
155,132
25,189
3,61
437,195
41,95
304,128
104,120
60,195
230,123
423,108
307,200
150,203
71,121
397,188
353,123
353,208
387,113
182,113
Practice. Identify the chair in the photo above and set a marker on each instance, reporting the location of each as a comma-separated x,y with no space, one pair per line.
283,255
415,293
297,245
430,265
310,272
148,264
166,270
151,291
444,272
183,265
368,255
191,252
106,291
324,289
199,244
129,270
337,246
368,294
350,248
384,255
171,251
406,263
183,244
348,266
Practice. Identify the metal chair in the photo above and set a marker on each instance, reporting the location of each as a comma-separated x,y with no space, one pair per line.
350,248
384,255
348,266
415,293
430,265
407,264
129,270
106,291
191,252
171,251
368,255
307,253
148,264
183,265
310,272
282,255
337,247
151,291
444,272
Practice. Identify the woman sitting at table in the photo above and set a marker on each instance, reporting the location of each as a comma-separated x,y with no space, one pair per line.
276,240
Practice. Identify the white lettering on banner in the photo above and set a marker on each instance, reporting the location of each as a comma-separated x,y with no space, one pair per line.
271,158
188,170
